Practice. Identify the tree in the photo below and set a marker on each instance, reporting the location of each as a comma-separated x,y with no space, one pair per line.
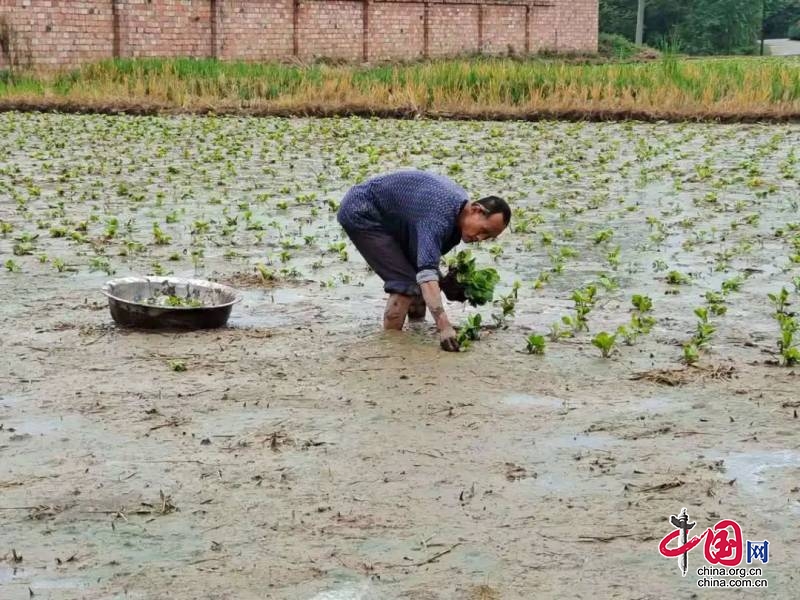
700,26
780,16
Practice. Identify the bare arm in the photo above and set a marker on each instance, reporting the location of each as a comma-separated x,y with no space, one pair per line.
433,298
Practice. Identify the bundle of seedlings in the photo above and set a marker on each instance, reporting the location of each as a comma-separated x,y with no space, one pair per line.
464,282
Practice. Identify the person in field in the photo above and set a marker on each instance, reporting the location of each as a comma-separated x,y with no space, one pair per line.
402,223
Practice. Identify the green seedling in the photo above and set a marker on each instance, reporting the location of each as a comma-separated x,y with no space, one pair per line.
58,265
557,332
659,265
159,237
178,366
643,304
558,263
606,342
780,301
535,344
470,331
100,263
677,278
199,227
629,335
12,267
584,300
197,258
265,273
613,257
790,354
716,303
507,305
23,248
6,228
541,280
112,227
733,285
602,236
691,354
478,284
339,248
177,301
705,330
607,283
496,251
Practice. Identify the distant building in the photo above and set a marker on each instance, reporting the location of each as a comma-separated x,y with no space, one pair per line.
66,33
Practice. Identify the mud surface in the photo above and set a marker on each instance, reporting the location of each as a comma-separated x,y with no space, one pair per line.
303,454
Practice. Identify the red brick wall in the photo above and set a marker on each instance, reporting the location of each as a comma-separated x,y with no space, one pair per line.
453,29
165,28
59,32
332,29
71,32
503,29
543,24
255,29
578,25
396,30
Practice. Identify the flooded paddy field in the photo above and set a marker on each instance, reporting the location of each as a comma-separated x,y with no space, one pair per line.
303,453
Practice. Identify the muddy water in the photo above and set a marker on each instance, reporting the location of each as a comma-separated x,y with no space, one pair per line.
305,454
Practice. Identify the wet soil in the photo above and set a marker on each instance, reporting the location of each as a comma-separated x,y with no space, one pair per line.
304,454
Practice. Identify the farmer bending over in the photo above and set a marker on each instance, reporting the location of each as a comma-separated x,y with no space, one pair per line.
402,223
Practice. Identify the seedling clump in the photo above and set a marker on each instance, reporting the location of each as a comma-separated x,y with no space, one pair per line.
470,331
584,300
507,305
178,366
605,342
478,284
535,344
641,321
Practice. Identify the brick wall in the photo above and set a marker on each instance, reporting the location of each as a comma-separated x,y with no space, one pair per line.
453,29
54,33
396,30
544,27
503,29
165,28
255,29
332,29
57,32
578,25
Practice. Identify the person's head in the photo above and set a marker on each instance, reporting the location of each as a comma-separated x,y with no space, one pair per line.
484,219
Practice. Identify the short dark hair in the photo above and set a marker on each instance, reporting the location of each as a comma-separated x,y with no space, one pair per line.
494,205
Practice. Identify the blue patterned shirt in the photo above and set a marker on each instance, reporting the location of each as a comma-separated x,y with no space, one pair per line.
419,209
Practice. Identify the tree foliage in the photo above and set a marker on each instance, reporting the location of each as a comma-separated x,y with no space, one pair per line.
701,26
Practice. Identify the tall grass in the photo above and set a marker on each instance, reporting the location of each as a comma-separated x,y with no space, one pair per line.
670,87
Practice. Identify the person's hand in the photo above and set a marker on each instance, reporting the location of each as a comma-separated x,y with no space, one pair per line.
448,340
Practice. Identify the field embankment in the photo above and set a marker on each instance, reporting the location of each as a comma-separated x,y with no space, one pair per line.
671,88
